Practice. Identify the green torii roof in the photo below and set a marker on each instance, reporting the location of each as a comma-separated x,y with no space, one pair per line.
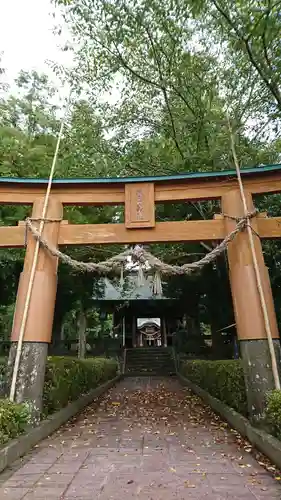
259,169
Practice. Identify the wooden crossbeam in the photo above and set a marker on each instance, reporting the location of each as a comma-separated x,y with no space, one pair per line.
12,236
114,194
180,231
162,232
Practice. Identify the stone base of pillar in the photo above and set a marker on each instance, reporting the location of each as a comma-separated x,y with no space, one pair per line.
31,375
258,373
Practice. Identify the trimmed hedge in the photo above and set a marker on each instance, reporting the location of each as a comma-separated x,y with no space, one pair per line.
68,378
225,381
273,412
222,379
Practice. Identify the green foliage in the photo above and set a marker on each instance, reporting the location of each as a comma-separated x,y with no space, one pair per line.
14,419
170,70
249,31
3,367
174,68
191,344
28,133
6,320
67,379
222,379
273,412
175,75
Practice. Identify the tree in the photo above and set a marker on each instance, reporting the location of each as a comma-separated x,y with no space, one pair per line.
175,68
179,66
28,135
173,92
252,31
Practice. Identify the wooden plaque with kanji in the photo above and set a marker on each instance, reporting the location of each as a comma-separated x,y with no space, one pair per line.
139,205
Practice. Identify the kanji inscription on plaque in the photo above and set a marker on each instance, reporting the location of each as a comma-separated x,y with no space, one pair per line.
139,205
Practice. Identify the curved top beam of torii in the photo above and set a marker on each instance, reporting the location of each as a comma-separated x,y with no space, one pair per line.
139,196
245,171
103,191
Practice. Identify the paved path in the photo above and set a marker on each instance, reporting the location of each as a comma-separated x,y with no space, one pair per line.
148,439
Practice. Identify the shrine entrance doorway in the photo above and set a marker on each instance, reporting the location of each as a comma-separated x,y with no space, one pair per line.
149,332
140,318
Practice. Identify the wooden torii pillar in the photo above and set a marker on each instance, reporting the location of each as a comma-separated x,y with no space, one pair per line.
38,330
247,306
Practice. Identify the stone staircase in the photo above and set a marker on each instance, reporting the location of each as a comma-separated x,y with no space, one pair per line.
142,361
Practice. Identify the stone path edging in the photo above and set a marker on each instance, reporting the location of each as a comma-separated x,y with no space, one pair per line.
21,445
267,444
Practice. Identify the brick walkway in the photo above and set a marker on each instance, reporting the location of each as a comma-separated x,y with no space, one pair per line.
147,439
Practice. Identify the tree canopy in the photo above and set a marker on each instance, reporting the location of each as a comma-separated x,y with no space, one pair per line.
152,85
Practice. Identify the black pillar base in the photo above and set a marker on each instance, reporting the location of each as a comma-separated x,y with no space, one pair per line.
258,374
31,375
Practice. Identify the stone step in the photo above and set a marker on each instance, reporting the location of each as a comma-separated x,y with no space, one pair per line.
149,349
152,369
149,357
149,374
148,353
140,351
150,361
145,362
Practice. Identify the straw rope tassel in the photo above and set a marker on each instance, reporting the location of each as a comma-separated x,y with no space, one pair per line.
140,276
122,276
157,284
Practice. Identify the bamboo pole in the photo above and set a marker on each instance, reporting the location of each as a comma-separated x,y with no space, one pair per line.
34,262
255,262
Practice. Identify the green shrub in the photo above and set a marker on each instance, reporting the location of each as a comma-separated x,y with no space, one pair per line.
68,378
3,369
273,412
14,419
222,379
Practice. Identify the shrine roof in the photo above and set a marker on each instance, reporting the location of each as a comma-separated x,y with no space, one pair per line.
245,171
112,291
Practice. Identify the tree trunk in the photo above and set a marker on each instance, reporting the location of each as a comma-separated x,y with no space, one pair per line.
62,332
219,308
217,340
59,315
82,325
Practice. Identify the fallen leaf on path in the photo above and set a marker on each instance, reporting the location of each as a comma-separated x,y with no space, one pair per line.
187,484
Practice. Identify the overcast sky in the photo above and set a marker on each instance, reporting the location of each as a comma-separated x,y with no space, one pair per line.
26,36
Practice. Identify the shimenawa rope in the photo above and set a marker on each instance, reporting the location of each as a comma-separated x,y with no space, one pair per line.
139,255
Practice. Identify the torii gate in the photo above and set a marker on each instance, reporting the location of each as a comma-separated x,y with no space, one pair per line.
139,196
